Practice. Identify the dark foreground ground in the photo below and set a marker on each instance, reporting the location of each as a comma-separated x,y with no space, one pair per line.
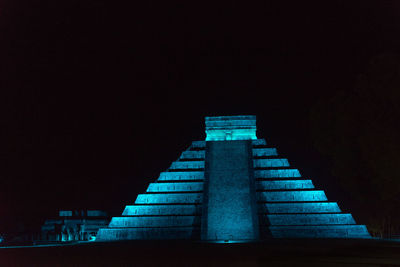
323,252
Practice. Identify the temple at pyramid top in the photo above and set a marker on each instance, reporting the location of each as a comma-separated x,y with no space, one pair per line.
231,187
224,128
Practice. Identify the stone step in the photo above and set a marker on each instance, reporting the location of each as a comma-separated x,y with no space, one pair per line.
289,196
169,198
281,173
325,231
230,122
270,163
162,210
314,207
112,234
285,184
197,145
259,142
310,219
181,176
264,152
154,221
200,154
202,144
175,187
181,165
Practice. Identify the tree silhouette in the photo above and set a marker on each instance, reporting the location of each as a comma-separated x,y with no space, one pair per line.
359,130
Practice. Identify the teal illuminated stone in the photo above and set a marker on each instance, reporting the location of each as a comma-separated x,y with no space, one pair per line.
264,152
284,173
310,219
153,221
316,207
188,155
225,128
181,176
270,163
175,187
320,231
294,196
231,188
172,209
182,165
197,145
258,142
170,198
146,233
229,191
287,184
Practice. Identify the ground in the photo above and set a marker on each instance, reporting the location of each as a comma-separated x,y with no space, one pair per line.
299,252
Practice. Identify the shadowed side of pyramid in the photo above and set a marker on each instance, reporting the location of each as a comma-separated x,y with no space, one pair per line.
231,187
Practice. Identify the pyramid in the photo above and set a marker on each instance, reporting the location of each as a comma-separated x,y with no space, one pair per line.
232,186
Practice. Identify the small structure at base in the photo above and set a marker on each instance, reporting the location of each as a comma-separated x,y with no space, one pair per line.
77,225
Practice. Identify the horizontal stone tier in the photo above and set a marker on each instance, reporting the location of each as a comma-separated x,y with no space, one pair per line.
259,142
112,234
289,196
181,176
196,145
188,209
284,184
187,155
257,152
281,173
180,165
230,122
314,207
175,187
239,133
270,163
329,231
310,219
169,198
264,152
154,221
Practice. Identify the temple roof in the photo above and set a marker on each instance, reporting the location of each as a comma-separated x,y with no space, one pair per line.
221,128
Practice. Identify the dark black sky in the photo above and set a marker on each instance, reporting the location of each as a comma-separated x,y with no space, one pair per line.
98,97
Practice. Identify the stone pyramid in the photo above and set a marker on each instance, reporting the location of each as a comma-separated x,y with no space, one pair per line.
232,186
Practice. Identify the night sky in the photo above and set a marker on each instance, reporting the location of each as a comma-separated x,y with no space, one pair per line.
98,97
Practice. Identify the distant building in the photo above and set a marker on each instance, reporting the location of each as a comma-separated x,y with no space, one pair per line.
77,225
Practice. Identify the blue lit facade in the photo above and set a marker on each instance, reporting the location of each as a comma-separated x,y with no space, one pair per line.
231,187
